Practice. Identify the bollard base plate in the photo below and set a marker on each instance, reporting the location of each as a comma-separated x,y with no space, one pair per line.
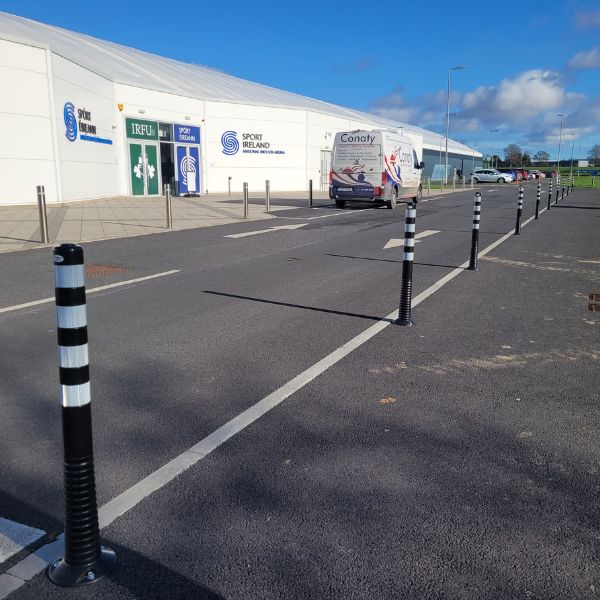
402,323
67,575
472,268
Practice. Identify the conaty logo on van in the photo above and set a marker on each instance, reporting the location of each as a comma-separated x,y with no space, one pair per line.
364,139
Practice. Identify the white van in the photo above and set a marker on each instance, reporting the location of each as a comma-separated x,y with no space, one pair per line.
382,165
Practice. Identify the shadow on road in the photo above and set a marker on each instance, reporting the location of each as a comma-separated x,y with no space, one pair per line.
277,303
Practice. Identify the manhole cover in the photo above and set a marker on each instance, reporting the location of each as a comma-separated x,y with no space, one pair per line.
594,297
594,307
95,270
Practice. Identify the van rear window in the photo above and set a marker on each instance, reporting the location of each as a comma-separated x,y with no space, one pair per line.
365,154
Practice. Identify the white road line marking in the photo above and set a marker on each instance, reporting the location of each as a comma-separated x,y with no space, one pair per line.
395,243
259,231
112,510
15,536
89,291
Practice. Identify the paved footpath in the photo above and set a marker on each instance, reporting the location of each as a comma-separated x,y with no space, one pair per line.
458,458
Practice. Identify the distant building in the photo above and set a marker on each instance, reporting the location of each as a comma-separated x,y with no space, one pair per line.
583,163
88,118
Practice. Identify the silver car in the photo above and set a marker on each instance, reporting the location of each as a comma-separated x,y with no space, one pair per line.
490,176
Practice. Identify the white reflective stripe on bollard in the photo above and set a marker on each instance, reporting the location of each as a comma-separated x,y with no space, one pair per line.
71,317
69,276
76,395
73,357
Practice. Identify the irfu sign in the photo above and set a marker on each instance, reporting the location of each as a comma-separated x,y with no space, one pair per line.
141,130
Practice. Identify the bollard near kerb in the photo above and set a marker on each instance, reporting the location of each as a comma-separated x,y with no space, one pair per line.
169,208
41,200
475,234
245,200
404,312
537,199
549,194
85,560
267,195
229,186
519,210
310,193
563,193
557,190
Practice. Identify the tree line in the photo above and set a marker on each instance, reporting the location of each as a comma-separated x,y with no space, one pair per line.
514,156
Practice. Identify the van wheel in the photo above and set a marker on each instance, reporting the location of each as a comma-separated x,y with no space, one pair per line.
340,203
394,199
419,194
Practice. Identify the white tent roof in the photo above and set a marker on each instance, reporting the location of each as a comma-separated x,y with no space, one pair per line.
141,69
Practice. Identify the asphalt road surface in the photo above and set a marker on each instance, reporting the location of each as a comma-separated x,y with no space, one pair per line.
458,458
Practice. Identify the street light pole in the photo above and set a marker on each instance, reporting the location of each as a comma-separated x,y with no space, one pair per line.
559,144
448,115
572,151
493,131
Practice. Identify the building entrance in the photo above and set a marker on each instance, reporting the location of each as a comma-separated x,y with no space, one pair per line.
143,161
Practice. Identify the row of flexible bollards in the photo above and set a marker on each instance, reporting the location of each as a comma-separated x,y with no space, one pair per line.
404,312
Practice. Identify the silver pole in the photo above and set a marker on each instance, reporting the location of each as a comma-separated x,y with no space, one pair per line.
41,199
245,199
559,144
229,186
267,195
447,125
168,206
429,186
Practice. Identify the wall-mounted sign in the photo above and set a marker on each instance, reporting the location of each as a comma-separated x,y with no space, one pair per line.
186,134
79,120
188,169
252,143
138,129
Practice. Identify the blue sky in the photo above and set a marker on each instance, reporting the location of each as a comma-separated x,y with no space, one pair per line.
525,64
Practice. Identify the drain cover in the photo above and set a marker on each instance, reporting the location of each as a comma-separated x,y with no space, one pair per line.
95,270
594,307
594,297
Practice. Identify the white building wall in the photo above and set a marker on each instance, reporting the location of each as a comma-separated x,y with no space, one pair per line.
283,162
88,169
26,151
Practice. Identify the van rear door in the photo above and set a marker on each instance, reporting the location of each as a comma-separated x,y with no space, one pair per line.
356,165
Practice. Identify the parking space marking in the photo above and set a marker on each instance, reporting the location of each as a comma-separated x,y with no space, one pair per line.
89,291
16,536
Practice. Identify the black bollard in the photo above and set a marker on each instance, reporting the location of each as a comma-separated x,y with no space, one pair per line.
557,190
475,235
563,193
85,560
537,200
519,211
407,266
310,193
550,194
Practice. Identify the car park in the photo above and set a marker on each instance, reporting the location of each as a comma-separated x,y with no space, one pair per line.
490,176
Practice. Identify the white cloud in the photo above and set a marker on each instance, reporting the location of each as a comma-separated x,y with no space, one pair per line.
524,107
517,99
586,19
586,60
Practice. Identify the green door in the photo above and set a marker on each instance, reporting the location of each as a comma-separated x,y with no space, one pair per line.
137,169
151,170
